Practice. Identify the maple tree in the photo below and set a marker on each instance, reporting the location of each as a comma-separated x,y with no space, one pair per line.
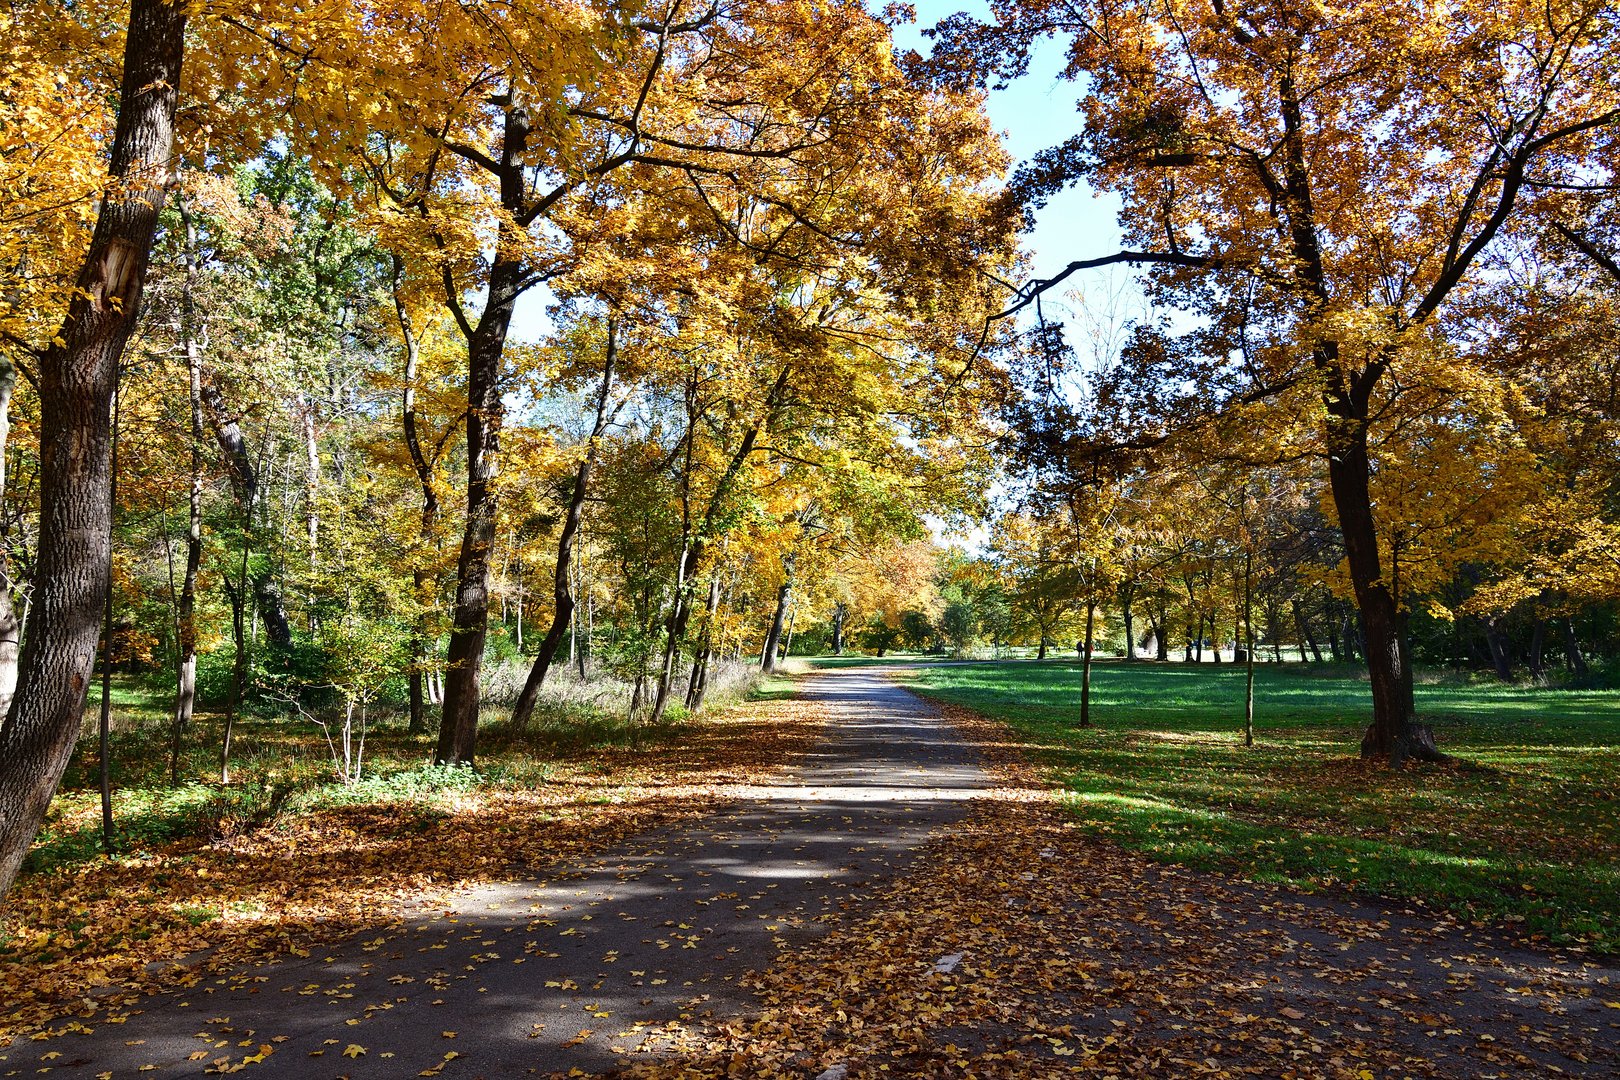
1319,187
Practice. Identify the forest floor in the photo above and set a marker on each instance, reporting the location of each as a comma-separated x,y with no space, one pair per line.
284,859
912,899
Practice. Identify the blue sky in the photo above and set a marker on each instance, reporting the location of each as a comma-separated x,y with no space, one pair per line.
1036,112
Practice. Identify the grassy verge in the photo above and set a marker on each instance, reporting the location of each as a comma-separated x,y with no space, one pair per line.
1531,837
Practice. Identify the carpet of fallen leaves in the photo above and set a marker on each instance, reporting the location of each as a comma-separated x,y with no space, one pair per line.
1020,947
104,933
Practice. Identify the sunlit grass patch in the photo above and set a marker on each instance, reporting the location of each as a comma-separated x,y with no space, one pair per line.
1529,835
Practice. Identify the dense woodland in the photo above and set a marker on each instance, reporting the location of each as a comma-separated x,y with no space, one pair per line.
271,442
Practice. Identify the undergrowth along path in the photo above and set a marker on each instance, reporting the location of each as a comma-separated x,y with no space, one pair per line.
586,969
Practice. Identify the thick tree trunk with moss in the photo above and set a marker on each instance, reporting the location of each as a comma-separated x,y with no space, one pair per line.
77,377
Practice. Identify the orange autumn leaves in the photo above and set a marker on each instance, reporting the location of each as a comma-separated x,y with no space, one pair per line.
306,878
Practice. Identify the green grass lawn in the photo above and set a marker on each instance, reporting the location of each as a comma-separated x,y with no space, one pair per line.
1532,837
819,663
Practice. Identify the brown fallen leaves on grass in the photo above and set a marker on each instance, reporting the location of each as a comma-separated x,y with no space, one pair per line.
103,933
1019,948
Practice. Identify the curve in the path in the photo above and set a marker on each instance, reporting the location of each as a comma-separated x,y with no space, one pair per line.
593,964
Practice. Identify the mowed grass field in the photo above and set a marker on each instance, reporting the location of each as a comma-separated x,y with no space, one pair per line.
1526,833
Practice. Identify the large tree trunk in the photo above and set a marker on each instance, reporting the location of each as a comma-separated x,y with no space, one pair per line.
838,630
486,345
77,377
562,582
1393,734
469,624
1501,649
773,638
1161,630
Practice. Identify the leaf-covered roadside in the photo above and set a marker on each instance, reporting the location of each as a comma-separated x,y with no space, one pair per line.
1522,834
1021,947
88,939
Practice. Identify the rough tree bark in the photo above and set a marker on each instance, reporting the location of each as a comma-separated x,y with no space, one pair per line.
77,375
1347,399
1393,734
562,586
486,343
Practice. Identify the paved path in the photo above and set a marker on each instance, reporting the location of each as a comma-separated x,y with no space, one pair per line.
588,965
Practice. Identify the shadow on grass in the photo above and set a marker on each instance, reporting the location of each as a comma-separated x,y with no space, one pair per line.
1527,836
